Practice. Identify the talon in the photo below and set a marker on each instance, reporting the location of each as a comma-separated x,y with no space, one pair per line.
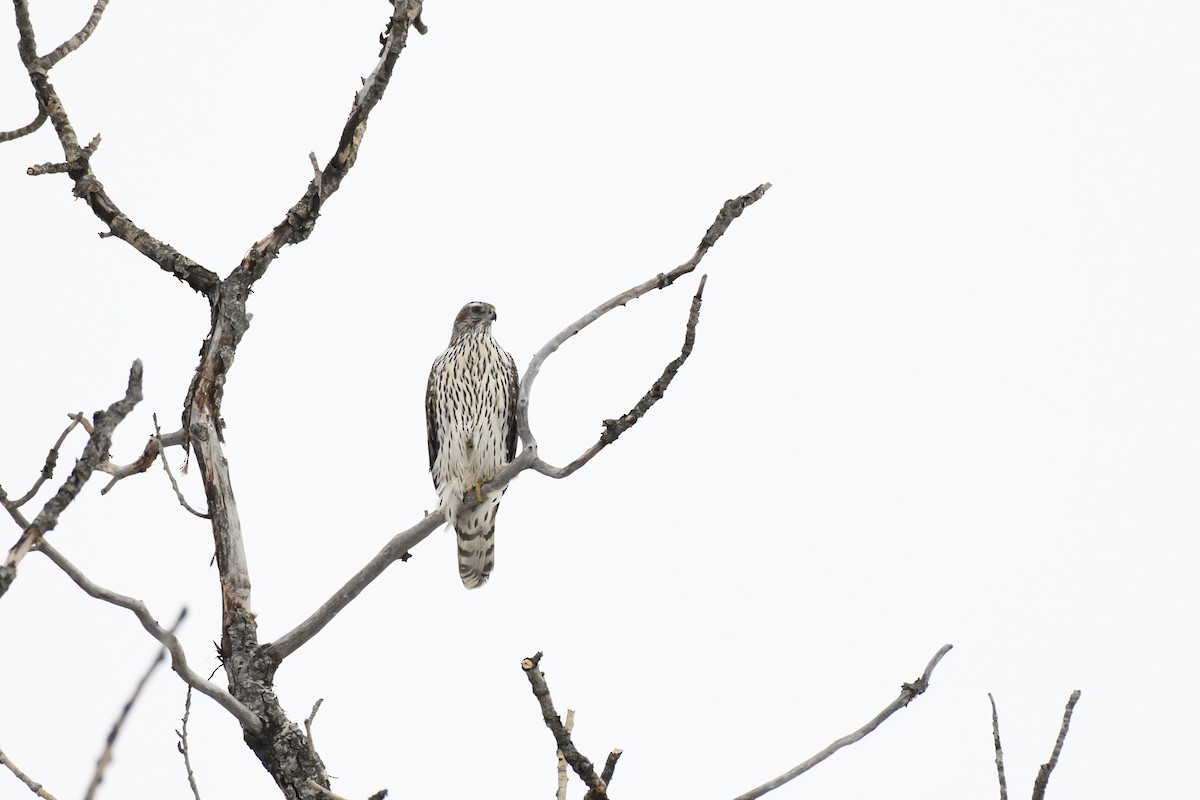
479,492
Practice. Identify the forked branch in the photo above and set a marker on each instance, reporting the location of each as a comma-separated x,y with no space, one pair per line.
77,158
597,786
399,547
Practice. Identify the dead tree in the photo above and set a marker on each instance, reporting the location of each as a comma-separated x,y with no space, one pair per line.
286,749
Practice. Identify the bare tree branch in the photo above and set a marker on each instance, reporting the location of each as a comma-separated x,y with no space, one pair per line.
51,462
610,765
731,210
907,693
999,751
614,428
561,794
1043,776
154,446
165,442
106,756
77,159
298,224
182,745
279,743
74,43
33,785
397,549
24,130
401,544
94,452
323,778
597,788
248,720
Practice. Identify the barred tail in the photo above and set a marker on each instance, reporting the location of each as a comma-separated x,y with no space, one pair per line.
476,530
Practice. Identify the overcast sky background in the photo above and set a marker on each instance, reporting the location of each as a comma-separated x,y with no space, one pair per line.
944,391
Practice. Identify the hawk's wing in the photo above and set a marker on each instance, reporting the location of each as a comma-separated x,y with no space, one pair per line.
431,418
514,391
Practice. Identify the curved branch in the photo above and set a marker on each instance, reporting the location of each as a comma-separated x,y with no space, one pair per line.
47,468
614,428
908,692
150,453
731,210
24,130
74,43
248,720
398,548
78,164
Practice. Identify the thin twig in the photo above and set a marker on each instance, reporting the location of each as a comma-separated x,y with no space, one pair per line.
1043,776
163,442
106,756
999,751
33,785
51,461
399,547
561,794
249,721
312,748
562,737
907,693
182,745
17,516
94,452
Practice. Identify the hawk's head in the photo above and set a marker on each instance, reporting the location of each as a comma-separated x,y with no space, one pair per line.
474,315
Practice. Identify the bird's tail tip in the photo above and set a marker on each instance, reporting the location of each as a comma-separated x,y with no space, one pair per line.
473,580
475,563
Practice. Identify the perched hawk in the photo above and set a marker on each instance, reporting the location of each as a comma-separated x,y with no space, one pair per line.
471,416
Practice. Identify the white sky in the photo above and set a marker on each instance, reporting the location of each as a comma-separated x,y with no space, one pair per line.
944,390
